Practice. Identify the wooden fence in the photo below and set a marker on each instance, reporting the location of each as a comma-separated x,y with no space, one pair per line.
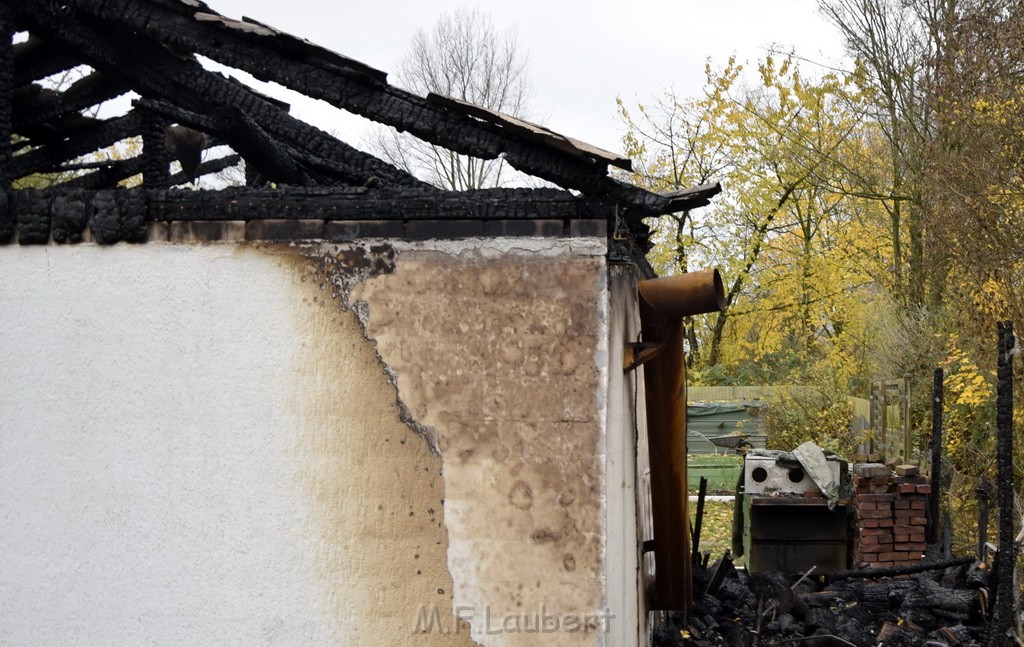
883,418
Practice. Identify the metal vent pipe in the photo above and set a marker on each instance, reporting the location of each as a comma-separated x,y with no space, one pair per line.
663,303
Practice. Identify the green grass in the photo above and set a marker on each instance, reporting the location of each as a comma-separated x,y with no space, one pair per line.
721,472
716,531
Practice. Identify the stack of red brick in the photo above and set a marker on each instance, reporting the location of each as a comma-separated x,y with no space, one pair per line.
889,512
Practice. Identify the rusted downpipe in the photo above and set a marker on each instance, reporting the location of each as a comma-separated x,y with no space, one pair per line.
663,304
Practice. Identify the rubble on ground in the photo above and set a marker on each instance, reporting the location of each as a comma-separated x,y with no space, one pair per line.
938,607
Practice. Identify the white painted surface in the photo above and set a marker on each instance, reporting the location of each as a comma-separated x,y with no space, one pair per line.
622,544
146,494
197,447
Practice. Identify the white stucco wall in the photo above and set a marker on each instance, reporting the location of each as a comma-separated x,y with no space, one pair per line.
147,491
625,420
199,446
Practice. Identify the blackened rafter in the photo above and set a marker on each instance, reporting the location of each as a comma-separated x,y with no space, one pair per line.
155,71
257,146
193,27
97,137
6,92
42,108
323,170
35,59
117,171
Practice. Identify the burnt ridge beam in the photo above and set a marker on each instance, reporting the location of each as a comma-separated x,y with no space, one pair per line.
35,59
231,46
154,71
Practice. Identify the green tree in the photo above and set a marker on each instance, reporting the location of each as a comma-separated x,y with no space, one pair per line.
778,232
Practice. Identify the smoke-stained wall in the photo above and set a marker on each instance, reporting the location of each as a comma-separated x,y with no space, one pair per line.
379,443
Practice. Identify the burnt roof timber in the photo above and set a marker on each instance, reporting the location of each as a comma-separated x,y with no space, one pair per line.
284,42
325,171
102,135
258,147
156,153
533,131
359,203
328,204
211,142
6,95
175,25
154,71
207,168
119,170
35,59
50,105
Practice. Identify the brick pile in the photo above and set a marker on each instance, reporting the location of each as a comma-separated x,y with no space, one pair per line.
889,513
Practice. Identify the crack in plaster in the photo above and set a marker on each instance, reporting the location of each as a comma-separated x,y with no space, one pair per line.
345,266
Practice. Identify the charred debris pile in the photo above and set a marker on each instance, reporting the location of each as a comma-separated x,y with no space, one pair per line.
936,604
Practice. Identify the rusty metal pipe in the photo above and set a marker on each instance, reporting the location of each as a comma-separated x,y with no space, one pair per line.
663,304
683,295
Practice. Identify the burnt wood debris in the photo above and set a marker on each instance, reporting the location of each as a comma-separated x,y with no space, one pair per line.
302,182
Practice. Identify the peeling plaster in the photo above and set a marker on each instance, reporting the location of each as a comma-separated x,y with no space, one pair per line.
376,487
341,268
492,345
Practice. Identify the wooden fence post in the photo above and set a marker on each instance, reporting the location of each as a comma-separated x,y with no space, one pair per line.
936,470
1002,608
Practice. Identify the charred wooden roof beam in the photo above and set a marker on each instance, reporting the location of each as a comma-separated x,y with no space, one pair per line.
258,147
36,59
41,106
100,136
6,97
259,53
324,171
120,170
154,70
328,204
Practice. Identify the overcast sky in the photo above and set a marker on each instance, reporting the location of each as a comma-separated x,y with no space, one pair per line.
582,54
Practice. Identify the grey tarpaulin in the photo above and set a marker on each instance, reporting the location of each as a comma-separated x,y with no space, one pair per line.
815,465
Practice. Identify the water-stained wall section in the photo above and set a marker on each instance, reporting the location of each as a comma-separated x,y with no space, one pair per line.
495,349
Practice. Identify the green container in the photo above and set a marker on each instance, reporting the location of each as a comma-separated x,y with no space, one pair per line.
706,421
